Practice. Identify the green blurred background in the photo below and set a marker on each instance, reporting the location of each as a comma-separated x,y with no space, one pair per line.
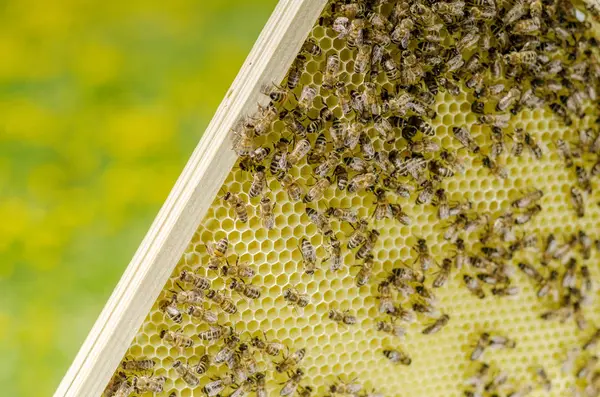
101,104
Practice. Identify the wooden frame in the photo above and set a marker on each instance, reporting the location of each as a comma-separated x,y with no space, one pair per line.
188,202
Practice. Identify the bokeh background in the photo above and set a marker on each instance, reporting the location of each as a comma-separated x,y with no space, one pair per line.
101,104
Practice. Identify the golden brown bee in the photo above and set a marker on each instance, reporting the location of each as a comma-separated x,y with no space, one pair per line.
362,60
365,250
185,372
507,290
341,176
295,298
464,137
224,302
424,258
243,142
343,214
382,206
266,212
334,248
325,167
548,287
362,182
443,274
501,342
583,179
527,26
397,357
300,151
401,189
203,364
199,282
276,93
453,161
291,361
293,188
536,150
247,290
528,199
578,201
570,277
426,194
309,256
565,151
320,221
317,191
216,386
125,389
138,365
526,216
389,328
495,168
217,252
177,339
241,270
238,205
342,317
332,70
271,348
214,333
170,309
259,182
437,325
279,159
482,343
495,120
188,297
310,46
292,383
402,33
345,388
227,351
317,154
390,67
474,286
261,385
296,71
531,272
265,116
203,314
385,129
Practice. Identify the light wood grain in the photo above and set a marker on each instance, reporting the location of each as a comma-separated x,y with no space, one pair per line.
187,203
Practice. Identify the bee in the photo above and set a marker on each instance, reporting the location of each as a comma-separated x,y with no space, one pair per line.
368,246
454,228
317,154
276,93
443,274
578,202
125,389
437,325
334,249
385,128
362,182
320,220
495,120
342,317
325,167
501,342
214,333
495,168
402,33
548,286
295,72
241,270
565,152
464,137
309,256
247,290
424,258
271,348
266,212
474,286
357,164
426,194
586,279
186,373
243,142
382,206
238,206
171,310
197,281
423,146
342,95
399,215
383,162
528,199
389,328
531,272
292,383
506,290
224,302
310,46
261,384
203,364
294,190
259,182
482,343
265,116
397,357
290,361
439,169
279,159
345,388
138,365
343,214
453,161
217,252
216,386
177,339
362,60
570,277
390,67
332,70
358,236
365,273
190,297
536,150
401,189
509,99
295,298
583,179
478,379
300,150
227,352
341,176
366,146
304,391
317,191
527,26
591,343
526,216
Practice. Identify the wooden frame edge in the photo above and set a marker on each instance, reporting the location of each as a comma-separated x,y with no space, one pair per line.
186,205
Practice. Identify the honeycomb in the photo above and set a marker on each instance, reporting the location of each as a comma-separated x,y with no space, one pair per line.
342,353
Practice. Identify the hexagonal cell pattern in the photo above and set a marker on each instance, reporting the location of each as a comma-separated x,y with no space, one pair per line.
440,362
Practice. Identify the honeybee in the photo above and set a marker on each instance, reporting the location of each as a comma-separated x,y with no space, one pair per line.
570,277
342,317
362,60
247,290
203,364
565,151
310,46
265,116
241,270
266,213
401,189
309,256
577,201
238,205
177,339
531,272
474,286
366,271
382,206
334,248
390,67
227,351
214,333
294,190
224,302
341,176
506,290
389,328
292,383
259,182
501,342
345,388
548,286
188,297
295,298
424,145
290,361
317,191
261,384
271,348
586,279
279,160
304,391
509,99
528,199
328,164
320,221
526,216
482,343
343,214
217,252
125,389
186,373
453,161
536,150
300,150
443,274
216,386
495,168
295,72
171,310
426,194
366,146
365,250
138,365
424,258
332,70
437,325
357,164
464,137
402,33
276,93
495,120
591,343
397,357
455,227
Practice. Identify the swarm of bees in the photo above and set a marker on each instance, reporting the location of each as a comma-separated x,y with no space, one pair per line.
380,142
